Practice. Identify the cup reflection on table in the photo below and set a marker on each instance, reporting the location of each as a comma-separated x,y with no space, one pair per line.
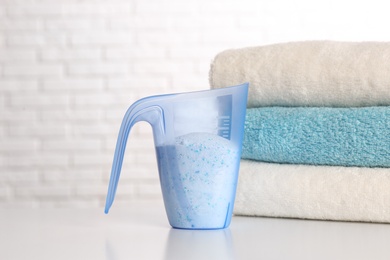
199,244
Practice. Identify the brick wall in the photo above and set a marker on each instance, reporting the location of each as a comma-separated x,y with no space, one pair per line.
69,69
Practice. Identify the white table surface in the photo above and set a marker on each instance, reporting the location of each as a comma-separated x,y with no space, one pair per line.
142,232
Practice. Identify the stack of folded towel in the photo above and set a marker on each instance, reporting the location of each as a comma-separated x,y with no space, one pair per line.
317,131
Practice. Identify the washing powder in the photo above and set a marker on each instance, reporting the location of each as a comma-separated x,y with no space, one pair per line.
198,177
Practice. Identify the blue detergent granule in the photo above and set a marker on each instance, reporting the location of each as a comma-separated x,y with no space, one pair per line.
198,175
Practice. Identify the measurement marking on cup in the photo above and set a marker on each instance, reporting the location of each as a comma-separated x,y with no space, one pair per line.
224,125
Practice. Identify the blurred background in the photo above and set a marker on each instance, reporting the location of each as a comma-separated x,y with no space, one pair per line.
69,69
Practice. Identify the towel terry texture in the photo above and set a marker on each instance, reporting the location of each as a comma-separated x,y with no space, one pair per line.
309,73
318,136
316,141
313,192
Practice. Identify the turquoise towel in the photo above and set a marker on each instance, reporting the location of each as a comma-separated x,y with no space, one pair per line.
318,136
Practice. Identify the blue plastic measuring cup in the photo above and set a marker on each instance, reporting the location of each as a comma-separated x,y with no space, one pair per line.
198,139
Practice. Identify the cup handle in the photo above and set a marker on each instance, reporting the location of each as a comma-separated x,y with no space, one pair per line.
142,110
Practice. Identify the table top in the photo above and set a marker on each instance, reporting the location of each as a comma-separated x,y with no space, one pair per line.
141,231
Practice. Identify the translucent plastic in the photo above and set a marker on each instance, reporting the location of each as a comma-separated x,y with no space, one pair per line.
198,139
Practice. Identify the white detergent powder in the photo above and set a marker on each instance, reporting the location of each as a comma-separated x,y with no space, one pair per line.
198,178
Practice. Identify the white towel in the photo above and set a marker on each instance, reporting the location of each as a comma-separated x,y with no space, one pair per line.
313,192
310,73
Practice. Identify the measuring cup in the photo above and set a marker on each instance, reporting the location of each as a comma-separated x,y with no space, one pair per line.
198,139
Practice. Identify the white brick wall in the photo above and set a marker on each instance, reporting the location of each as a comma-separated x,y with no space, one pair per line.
70,68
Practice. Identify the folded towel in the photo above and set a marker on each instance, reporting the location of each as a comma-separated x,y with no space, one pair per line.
313,192
319,136
311,73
